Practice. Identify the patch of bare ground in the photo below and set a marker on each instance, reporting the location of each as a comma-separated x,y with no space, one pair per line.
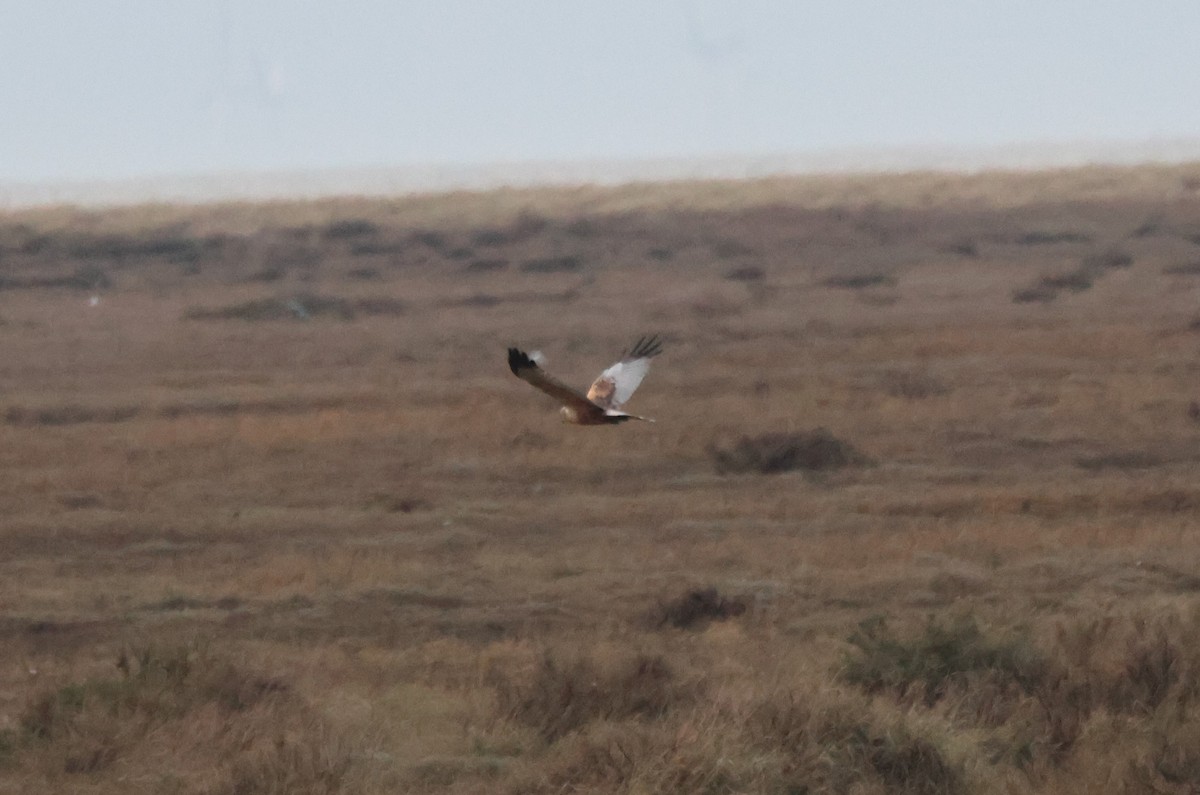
277,518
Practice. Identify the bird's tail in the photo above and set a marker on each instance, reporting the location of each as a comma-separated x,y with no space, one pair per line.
620,416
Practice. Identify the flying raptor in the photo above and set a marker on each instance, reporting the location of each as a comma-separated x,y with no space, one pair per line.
608,394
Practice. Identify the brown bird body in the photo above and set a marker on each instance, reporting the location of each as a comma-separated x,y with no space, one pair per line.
608,394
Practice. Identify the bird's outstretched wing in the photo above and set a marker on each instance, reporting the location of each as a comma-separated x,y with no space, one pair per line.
616,385
526,369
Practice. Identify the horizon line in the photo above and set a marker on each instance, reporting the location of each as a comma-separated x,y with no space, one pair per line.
414,179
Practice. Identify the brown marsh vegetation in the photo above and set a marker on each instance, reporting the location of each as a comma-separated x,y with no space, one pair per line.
920,512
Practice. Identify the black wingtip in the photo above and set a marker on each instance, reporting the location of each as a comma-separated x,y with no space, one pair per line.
646,347
518,360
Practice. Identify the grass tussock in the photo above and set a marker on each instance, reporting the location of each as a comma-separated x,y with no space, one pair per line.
696,608
812,451
84,277
565,264
153,685
564,693
161,703
934,661
1077,280
486,265
1190,268
912,384
50,416
792,741
1042,237
830,743
746,273
349,228
860,281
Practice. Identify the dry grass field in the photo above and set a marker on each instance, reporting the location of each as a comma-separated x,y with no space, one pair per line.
920,512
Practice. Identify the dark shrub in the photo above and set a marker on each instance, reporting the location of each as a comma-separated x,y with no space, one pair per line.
1043,238
696,608
486,265
859,281
1107,259
780,452
747,273
1037,294
346,228
552,265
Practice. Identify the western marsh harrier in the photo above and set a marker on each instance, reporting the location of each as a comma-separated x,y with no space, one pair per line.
602,403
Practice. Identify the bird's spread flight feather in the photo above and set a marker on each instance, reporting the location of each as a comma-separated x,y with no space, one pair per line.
609,392
617,384
527,370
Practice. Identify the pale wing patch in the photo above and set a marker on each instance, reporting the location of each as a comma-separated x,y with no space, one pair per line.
618,383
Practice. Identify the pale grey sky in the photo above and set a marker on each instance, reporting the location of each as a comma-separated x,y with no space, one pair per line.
118,89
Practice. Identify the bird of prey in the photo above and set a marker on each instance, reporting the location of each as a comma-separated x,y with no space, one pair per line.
603,402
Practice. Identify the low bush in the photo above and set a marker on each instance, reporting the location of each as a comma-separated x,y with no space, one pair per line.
860,281
746,273
1107,259
1044,238
347,228
552,265
816,450
697,608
